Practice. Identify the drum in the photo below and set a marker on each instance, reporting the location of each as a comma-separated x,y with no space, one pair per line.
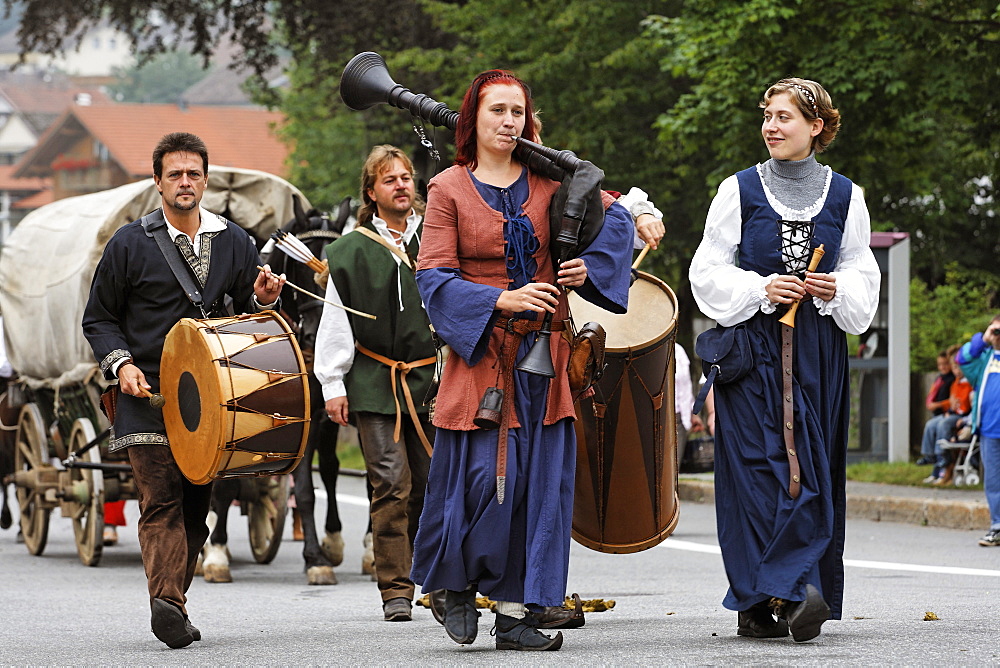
626,466
236,397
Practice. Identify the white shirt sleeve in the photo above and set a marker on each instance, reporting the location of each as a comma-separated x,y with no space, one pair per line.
634,196
724,292
683,395
334,346
858,276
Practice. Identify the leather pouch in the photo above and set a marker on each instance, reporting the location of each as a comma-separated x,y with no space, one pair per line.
725,357
586,357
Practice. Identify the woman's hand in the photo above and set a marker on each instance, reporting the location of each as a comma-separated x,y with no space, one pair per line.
785,289
572,273
650,229
538,297
823,286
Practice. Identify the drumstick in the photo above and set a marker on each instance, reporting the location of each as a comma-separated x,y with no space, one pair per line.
642,254
155,400
313,294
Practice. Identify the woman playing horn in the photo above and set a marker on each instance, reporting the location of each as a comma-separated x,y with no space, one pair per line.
783,543
499,504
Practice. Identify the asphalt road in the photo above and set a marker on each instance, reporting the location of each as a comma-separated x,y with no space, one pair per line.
668,610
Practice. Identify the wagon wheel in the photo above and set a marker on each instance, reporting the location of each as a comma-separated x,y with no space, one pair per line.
86,496
31,455
266,514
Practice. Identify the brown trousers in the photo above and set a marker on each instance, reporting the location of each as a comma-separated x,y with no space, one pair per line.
172,528
398,474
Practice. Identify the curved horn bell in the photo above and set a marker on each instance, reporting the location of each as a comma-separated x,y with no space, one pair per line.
366,82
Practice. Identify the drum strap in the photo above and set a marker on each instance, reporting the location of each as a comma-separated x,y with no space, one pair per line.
794,476
519,327
154,225
403,368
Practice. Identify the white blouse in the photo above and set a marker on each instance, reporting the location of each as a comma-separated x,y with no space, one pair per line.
731,295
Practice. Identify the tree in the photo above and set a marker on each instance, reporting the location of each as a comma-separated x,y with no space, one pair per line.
916,81
161,79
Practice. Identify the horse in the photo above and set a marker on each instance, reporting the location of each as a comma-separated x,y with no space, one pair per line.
315,230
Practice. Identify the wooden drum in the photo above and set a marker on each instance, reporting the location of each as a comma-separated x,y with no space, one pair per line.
626,465
237,397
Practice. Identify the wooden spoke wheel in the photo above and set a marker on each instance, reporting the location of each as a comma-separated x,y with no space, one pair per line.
266,514
31,459
85,496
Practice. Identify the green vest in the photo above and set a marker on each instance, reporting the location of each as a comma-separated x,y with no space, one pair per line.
365,274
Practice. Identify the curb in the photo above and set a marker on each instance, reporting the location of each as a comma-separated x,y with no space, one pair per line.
966,515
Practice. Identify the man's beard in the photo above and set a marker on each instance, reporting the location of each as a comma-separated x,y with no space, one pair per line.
181,206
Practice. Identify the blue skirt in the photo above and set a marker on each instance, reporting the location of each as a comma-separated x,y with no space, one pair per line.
514,551
772,544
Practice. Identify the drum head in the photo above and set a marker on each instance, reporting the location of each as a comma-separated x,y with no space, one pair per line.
192,412
651,315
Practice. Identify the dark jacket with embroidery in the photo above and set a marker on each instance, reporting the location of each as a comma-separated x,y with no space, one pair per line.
134,301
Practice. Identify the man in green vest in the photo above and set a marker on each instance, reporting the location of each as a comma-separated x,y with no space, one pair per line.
379,371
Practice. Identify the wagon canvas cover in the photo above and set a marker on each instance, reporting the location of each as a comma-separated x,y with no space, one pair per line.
49,260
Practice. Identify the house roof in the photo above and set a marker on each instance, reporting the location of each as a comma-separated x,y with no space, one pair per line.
10,183
42,97
35,201
235,136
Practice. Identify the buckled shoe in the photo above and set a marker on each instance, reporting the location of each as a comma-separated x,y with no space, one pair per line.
757,622
513,633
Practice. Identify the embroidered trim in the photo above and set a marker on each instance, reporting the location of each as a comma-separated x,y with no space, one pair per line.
789,213
199,264
135,439
113,357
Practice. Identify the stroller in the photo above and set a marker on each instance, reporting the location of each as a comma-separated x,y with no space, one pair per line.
965,453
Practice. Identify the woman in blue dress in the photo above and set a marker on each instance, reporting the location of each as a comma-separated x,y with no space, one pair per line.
782,539
498,508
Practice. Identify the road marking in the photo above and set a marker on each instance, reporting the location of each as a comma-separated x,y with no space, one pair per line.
704,548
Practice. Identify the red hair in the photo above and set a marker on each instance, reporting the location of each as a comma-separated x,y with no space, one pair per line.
465,128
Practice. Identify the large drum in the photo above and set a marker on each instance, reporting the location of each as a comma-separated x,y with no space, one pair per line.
237,397
626,466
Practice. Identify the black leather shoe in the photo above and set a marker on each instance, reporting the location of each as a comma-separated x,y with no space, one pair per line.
757,622
513,633
558,617
397,610
436,600
806,617
169,625
461,619
192,629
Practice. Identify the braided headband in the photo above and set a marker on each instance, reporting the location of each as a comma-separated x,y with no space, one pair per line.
809,96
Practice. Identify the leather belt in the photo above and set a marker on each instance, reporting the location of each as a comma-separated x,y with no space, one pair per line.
403,368
788,430
519,327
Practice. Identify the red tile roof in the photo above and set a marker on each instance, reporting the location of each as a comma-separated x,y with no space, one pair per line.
35,201
9,182
235,136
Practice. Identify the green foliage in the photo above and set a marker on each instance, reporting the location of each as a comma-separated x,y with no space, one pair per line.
948,314
890,473
916,83
160,79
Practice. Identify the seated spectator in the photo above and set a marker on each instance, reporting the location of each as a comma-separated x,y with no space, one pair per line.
960,405
937,402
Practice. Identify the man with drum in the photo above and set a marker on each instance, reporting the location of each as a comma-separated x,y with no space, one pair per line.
380,370
134,300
